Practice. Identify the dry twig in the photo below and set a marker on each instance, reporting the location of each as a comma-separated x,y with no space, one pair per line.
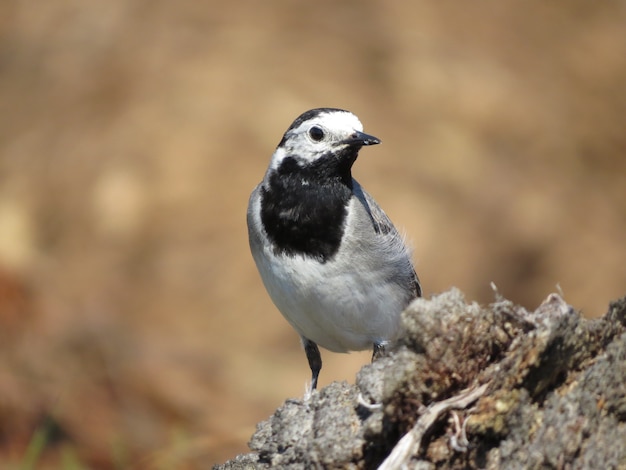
410,443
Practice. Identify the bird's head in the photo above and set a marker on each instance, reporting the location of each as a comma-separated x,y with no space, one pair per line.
322,137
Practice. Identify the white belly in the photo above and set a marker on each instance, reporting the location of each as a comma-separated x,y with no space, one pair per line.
340,312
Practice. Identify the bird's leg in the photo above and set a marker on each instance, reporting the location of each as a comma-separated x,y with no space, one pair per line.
315,360
379,350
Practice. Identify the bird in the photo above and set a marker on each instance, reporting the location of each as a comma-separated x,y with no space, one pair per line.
329,257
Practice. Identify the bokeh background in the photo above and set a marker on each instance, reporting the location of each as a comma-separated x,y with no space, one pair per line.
134,329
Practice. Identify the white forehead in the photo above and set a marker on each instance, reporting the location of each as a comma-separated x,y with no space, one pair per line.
334,121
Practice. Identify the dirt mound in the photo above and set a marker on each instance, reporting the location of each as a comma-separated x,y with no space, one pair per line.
469,387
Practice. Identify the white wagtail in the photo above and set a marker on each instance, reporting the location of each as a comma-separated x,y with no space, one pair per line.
330,258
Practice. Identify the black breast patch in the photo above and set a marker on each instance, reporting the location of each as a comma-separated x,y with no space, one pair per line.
304,210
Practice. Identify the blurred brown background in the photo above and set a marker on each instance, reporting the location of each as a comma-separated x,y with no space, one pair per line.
134,329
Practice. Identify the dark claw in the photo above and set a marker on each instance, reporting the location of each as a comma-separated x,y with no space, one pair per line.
379,350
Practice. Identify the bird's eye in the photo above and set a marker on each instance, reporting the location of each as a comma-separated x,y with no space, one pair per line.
316,133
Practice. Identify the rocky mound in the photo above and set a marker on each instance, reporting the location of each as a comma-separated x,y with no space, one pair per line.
467,387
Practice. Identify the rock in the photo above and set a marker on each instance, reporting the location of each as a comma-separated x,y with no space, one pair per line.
467,387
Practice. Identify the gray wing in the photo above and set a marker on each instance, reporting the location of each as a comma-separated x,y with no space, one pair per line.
382,225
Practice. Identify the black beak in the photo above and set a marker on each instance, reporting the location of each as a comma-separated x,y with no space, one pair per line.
360,138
